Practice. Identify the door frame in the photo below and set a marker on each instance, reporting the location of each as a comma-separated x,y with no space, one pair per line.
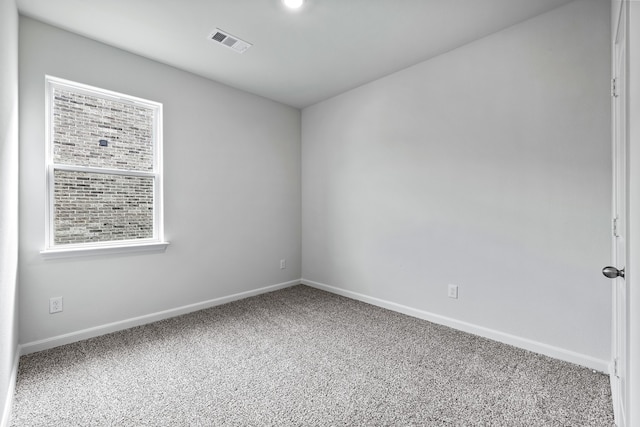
619,241
632,372
619,238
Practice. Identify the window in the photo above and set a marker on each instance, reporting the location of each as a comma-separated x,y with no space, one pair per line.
104,171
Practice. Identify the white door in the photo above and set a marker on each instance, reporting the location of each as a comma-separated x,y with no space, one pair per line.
619,209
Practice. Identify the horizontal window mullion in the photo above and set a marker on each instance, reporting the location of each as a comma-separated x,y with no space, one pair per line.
106,171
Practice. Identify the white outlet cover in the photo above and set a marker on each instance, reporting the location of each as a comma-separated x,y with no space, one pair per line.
452,291
55,305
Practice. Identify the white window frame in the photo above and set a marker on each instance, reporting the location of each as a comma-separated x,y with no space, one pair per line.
155,243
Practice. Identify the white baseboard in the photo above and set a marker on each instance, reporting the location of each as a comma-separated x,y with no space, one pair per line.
5,416
524,343
84,334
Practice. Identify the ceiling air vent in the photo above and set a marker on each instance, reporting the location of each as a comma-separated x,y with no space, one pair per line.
227,40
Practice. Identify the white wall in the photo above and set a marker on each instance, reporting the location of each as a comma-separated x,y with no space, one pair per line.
232,191
487,167
8,201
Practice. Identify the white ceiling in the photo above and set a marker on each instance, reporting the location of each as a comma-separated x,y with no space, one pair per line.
297,58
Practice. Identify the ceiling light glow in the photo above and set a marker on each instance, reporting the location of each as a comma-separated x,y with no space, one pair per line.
293,4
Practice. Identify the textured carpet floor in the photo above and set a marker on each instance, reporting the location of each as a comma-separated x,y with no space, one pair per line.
302,357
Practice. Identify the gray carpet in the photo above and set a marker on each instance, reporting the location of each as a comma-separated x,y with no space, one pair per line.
302,357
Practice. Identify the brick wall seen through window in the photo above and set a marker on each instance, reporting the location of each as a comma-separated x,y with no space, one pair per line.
102,166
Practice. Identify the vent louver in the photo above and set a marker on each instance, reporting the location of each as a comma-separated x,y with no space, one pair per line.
218,36
227,40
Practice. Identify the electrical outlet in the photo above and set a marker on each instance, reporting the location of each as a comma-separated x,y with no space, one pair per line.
452,291
283,264
55,305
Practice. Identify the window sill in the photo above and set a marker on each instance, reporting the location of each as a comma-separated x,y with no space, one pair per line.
103,250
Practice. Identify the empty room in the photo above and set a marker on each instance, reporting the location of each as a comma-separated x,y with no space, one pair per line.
319,212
